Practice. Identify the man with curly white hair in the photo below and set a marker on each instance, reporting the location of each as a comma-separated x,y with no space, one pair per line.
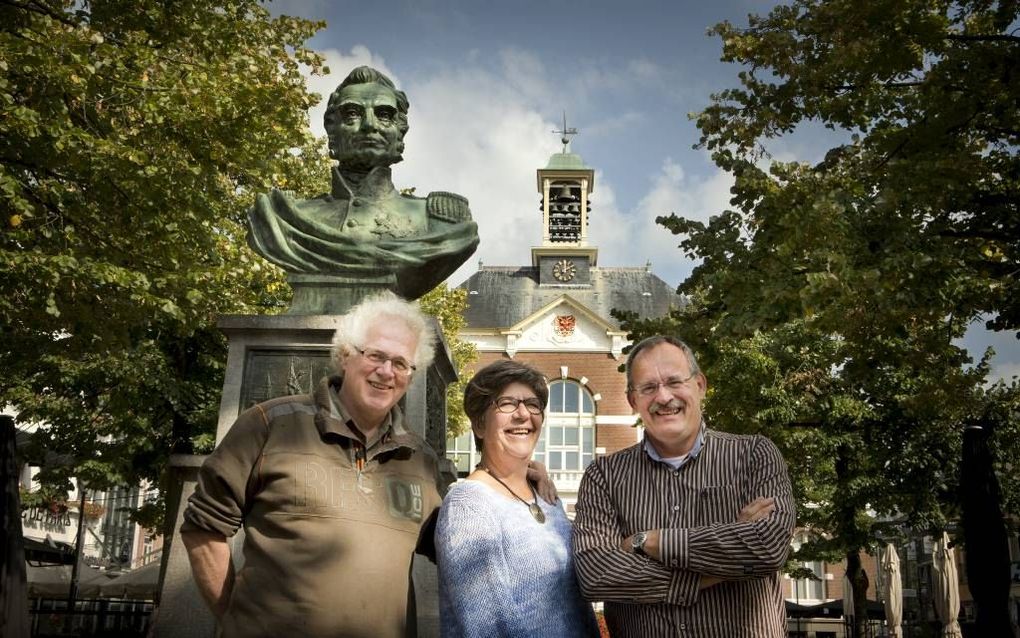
333,489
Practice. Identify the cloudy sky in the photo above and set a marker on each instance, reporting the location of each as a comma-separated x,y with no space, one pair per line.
489,82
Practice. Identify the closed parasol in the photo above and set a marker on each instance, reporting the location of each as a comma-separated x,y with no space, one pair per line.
946,587
893,591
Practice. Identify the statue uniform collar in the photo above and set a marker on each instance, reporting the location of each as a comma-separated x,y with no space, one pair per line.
376,185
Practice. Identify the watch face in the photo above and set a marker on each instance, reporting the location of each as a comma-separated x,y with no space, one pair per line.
564,270
638,542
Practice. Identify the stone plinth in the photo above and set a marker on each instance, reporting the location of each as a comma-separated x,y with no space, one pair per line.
181,610
318,294
268,357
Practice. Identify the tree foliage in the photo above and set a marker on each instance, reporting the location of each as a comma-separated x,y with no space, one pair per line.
447,305
133,136
827,302
928,93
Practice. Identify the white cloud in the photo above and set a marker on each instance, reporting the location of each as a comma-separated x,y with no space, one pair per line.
474,133
1006,371
1005,363
632,237
524,72
638,73
610,125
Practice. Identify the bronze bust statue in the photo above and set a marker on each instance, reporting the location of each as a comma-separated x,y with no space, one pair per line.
364,234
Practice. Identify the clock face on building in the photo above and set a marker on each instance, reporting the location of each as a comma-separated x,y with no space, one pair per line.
564,270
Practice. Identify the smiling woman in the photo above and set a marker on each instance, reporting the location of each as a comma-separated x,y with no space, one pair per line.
504,556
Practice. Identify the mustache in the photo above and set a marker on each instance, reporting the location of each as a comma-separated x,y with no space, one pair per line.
672,404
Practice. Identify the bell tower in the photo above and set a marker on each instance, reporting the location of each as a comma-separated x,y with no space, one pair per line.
564,258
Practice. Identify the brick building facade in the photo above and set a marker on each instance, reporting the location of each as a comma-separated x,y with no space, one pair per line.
555,314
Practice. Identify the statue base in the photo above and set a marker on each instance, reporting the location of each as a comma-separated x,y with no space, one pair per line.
334,294
272,356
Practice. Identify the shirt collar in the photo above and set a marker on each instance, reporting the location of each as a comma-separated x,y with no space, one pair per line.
677,463
376,184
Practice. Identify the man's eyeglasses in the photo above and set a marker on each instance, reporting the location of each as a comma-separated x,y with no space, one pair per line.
400,365
672,384
506,405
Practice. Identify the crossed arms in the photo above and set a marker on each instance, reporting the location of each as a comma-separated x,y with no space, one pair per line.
682,560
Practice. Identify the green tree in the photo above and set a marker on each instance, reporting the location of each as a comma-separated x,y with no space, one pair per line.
927,93
133,135
447,305
827,302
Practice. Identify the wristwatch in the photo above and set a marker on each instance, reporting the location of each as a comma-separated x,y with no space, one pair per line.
637,543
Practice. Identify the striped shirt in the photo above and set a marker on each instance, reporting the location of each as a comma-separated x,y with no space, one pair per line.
696,508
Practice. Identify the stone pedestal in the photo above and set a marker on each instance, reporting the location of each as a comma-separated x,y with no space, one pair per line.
181,610
268,357
335,294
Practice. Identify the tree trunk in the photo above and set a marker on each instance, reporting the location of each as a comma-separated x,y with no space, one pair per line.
859,584
14,620
984,533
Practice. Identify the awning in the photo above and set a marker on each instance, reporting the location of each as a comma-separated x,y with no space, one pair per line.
137,584
53,581
834,609
48,552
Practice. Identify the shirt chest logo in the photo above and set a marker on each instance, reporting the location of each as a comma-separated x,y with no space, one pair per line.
406,500
319,486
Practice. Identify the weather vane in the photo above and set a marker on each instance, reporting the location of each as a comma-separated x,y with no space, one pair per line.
565,133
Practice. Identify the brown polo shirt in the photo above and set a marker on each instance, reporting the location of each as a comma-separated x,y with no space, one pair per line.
330,525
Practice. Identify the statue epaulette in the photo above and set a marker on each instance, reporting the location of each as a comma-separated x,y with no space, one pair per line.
450,207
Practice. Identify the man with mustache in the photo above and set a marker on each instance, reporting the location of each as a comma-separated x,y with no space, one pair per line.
684,533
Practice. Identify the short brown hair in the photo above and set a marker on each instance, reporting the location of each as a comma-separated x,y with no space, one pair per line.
649,343
485,386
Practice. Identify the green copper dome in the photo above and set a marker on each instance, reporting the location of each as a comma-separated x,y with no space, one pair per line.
566,162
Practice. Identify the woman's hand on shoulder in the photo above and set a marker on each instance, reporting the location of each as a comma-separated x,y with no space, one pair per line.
543,484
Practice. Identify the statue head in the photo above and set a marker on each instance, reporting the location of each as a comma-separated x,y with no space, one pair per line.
366,120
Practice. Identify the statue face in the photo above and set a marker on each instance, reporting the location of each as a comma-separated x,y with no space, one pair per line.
366,132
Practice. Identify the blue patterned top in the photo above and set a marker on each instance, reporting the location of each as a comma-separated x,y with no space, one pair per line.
503,574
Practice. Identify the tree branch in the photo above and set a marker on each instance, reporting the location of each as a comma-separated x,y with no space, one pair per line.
42,9
996,37
888,85
1002,236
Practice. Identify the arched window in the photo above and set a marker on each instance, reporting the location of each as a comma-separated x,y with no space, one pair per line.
568,438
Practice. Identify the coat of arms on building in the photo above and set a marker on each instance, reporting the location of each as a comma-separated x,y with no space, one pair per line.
564,325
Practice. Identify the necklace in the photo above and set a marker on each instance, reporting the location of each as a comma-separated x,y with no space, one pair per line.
536,511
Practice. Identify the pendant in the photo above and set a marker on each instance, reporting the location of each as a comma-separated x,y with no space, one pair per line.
537,512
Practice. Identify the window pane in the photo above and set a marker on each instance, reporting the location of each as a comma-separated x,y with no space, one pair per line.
462,462
556,397
539,456
540,447
572,461
586,460
555,436
586,402
570,435
554,461
464,441
570,400
586,437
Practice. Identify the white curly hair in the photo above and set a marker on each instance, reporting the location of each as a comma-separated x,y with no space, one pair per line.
354,326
